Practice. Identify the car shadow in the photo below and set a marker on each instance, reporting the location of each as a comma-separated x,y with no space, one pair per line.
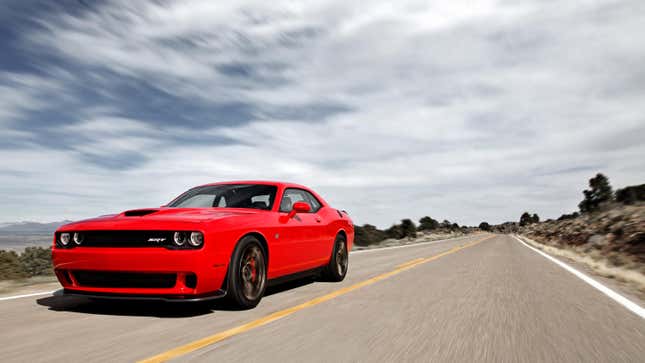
160,309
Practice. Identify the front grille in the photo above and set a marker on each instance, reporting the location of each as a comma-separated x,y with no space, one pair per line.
125,279
124,239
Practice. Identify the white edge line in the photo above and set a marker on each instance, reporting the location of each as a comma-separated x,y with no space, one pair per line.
630,305
27,295
352,252
408,245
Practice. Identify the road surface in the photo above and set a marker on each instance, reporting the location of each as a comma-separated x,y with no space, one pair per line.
480,298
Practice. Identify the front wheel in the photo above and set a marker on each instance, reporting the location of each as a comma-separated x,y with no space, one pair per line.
337,268
247,273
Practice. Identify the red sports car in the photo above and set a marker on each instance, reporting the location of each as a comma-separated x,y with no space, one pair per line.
224,239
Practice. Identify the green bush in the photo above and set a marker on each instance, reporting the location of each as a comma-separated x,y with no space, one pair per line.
36,261
10,266
33,261
484,226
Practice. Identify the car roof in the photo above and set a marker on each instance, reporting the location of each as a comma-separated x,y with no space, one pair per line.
266,182
279,184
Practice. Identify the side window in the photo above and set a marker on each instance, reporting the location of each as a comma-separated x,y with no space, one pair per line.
291,196
313,202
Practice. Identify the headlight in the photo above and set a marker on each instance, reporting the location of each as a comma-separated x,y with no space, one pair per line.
78,238
65,238
179,238
196,239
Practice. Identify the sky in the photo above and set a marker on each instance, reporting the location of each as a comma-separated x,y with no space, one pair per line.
462,110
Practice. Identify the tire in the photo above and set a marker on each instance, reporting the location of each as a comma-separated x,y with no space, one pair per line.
247,275
336,270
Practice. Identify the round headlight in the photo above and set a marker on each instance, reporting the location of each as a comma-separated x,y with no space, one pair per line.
179,238
65,238
78,238
196,239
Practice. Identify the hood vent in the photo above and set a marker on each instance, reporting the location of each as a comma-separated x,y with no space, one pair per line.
139,212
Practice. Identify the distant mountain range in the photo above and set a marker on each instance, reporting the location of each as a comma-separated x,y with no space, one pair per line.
30,227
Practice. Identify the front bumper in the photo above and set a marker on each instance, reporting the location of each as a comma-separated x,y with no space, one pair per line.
176,298
198,275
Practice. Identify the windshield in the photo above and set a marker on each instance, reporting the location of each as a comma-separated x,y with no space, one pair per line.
254,196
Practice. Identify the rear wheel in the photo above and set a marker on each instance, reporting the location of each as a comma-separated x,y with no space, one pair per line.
247,273
339,262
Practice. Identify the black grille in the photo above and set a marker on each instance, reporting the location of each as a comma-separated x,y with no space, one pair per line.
123,239
127,239
124,279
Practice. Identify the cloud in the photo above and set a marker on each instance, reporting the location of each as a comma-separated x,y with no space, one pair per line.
457,110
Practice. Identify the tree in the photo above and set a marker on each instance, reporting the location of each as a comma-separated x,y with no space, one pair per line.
535,218
599,192
484,226
428,224
408,229
445,224
368,235
394,232
525,219
10,267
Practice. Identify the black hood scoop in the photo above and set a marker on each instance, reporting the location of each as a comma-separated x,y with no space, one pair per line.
139,212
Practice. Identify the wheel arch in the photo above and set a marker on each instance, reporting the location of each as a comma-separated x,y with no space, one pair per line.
260,237
263,242
342,233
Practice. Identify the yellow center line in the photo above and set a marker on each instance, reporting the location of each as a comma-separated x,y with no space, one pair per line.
201,343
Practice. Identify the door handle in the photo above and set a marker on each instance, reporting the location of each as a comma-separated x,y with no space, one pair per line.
318,219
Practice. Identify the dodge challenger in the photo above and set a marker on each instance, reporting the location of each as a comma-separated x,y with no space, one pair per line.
217,240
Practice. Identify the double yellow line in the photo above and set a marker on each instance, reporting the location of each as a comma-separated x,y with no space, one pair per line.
204,342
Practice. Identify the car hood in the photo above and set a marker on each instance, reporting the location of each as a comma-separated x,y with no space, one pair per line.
159,218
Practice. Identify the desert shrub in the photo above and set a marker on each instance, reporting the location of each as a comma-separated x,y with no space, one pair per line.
484,226
630,195
428,224
394,232
10,266
36,261
569,216
405,229
446,224
367,235
408,229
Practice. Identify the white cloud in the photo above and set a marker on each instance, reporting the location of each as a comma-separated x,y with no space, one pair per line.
458,110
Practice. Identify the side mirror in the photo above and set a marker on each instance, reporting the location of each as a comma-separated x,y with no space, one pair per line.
299,207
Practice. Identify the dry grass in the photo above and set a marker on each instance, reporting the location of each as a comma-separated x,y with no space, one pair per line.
613,266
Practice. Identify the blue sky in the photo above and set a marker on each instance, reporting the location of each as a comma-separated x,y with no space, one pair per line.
456,110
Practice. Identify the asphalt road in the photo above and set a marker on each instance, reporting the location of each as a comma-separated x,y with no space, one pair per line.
495,300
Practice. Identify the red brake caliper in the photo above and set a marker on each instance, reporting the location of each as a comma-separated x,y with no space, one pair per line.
253,272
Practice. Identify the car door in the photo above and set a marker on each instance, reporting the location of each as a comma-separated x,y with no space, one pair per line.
299,234
321,242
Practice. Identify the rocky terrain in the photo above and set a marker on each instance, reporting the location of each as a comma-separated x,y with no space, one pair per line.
615,234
